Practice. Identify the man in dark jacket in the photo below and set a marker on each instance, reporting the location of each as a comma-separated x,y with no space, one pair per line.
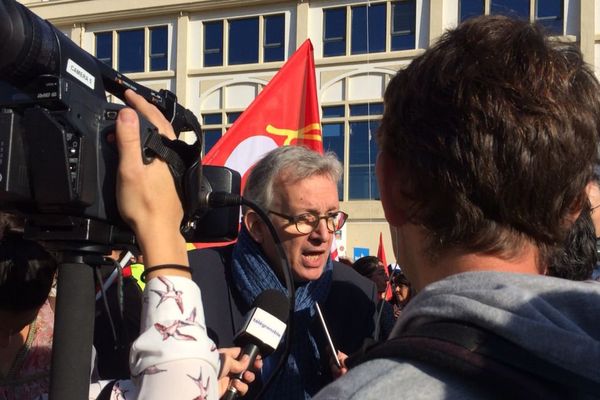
298,189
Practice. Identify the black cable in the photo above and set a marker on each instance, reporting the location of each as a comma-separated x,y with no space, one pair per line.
105,301
220,199
286,270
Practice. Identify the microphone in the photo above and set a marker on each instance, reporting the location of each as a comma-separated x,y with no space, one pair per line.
265,325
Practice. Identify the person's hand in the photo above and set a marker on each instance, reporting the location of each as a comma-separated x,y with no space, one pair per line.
231,367
335,371
146,194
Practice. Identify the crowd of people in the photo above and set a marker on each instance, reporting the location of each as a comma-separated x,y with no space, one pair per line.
488,145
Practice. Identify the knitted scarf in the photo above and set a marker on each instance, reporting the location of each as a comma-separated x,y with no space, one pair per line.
251,276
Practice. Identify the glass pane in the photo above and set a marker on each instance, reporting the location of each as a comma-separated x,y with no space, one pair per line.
333,140
232,116
363,153
211,137
404,15
212,119
366,109
274,37
131,51
471,8
158,48
550,14
511,8
104,47
368,29
243,41
213,43
333,112
334,32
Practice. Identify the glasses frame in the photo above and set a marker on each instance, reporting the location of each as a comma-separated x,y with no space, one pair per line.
294,219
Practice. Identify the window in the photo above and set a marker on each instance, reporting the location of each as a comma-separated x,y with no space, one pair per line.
104,47
333,140
370,26
549,13
368,29
158,48
511,8
213,43
138,50
213,126
356,132
243,41
131,51
470,8
363,153
274,37
334,32
403,25
247,43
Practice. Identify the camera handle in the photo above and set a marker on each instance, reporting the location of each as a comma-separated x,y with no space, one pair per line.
73,329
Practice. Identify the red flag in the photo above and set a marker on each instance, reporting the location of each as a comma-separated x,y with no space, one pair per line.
286,112
381,256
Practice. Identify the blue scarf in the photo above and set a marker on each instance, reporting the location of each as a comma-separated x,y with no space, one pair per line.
251,276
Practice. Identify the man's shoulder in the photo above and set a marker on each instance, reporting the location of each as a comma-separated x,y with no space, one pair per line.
396,378
344,273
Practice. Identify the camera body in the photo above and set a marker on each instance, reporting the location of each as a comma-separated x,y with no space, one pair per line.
58,158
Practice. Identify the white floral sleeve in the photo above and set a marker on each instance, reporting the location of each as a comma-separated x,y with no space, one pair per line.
173,358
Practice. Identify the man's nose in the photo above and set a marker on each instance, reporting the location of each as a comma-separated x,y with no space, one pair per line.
321,231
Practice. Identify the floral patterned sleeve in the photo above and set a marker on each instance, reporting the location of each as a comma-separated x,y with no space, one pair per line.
173,358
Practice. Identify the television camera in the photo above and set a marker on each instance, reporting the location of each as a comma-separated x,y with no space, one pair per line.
57,161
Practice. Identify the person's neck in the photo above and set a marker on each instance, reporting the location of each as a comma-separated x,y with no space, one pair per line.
455,261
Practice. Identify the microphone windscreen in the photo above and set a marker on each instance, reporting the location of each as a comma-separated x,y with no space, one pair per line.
265,322
275,303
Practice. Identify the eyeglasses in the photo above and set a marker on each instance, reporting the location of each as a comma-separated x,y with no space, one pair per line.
306,223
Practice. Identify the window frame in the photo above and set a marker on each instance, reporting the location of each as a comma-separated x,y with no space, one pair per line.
262,21
146,30
389,33
346,120
534,7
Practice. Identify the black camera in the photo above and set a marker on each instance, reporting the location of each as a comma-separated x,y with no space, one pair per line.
58,160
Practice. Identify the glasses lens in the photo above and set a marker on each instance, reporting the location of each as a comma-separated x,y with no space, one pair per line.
335,221
307,223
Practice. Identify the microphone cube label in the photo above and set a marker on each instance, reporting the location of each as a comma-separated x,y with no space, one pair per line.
266,328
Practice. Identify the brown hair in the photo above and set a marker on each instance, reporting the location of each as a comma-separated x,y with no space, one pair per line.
495,130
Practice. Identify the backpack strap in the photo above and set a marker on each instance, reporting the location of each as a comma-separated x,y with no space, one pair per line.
483,358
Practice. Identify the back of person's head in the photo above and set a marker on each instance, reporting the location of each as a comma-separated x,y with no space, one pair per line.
288,165
494,130
372,268
26,270
577,258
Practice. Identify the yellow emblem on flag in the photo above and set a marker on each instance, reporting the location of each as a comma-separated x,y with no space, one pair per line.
299,134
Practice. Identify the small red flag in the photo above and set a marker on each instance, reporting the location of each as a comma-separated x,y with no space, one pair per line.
381,256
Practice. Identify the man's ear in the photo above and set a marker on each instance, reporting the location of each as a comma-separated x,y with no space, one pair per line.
390,183
254,226
579,203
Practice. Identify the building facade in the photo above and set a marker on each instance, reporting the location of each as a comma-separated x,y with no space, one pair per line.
217,55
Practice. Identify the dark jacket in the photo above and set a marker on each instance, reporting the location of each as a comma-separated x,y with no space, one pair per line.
349,310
